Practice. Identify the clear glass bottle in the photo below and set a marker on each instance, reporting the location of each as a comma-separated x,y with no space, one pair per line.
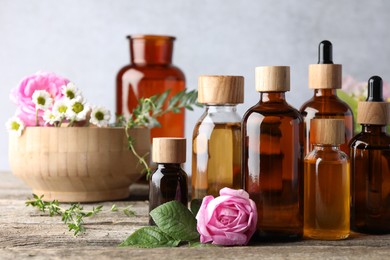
327,183
272,168
370,164
216,142
169,180
151,72
325,79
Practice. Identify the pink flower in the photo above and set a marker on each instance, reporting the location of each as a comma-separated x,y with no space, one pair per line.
229,219
22,95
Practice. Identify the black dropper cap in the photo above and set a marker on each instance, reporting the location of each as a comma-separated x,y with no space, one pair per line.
325,52
375,86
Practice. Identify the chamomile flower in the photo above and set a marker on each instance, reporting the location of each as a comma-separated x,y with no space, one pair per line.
15,125
77,109
42,99
49,117
59,109
70,91
100,116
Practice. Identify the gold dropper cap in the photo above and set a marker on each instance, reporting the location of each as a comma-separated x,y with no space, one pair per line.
218,89
327,131
325,74
374,111
169,150
273,79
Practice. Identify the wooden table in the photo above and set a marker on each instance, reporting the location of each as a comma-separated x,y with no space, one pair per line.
27,233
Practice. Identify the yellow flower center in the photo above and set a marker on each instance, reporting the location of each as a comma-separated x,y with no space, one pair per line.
99,115
41,101
70,94
62,109
15,126
78,107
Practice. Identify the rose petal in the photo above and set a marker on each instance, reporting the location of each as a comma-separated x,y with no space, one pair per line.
236,193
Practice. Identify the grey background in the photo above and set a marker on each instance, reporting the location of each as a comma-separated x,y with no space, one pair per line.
85,42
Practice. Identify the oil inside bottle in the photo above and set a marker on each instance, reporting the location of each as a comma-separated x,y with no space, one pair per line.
216,158
327,195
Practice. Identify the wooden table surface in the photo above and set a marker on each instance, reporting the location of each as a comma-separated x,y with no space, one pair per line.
28,233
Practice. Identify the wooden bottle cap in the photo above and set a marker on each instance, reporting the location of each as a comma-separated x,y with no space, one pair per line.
221,89
327,131
373,113
169,150
325,76
273,79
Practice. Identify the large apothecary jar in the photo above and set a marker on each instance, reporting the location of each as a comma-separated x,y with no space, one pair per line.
150,72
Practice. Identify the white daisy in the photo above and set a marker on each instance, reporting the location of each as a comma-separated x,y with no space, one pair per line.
42,99
100,116
50,117
70,91
77,109
15,125
59,109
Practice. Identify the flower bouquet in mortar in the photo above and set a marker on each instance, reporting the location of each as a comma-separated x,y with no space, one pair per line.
66,149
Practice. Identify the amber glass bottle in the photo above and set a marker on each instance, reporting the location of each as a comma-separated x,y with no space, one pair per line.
327,183
150,72
370,164
272,167
325,79
216,143
168,181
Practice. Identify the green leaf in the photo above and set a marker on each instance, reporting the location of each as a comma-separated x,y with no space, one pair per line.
175,220
195,206
148,237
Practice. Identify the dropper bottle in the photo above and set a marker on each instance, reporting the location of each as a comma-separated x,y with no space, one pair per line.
325,79
370,164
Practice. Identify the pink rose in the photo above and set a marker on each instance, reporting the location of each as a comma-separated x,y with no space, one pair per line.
22,95
229,219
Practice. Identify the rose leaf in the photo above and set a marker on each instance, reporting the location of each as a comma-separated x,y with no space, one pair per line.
176,220
148,237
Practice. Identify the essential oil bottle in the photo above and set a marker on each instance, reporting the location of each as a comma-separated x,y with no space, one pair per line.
168,181
272,164
327,183
216,143
325,79
370,164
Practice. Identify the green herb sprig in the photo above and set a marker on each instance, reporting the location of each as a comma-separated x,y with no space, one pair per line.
74,215
176,225
147,112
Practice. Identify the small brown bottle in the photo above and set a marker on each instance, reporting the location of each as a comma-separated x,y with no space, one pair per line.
325,79
327,183
216,143
272,164
169,181
370,164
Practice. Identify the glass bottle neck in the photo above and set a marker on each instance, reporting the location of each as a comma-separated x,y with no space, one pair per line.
169,166
373,129
325,92
272,97
151,49
327,147
221,108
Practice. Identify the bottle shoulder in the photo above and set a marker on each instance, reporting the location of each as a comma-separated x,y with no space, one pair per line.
327,156
326,105
168,172
370,141
281,110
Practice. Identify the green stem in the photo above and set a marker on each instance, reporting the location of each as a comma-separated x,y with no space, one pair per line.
140,159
